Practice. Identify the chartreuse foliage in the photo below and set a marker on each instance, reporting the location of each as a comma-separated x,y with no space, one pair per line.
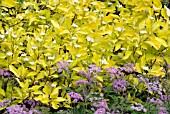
35,36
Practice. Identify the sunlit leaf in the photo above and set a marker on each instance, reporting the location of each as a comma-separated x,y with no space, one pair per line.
2,92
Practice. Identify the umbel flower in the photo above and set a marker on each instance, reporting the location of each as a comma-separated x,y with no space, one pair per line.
119,85
62,65
20,109
4,73
138,107
75,96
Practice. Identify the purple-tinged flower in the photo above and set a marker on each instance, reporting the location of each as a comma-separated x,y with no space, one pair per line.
77,97
159,102
88,75
163,70
84,82
101,104
115,72
94,68
1,72
168,65
138,107
162,110
19,109
62,65
100,111
119,85
7,73
55,68
153,100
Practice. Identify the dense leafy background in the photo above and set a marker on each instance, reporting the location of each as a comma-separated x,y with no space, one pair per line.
45,43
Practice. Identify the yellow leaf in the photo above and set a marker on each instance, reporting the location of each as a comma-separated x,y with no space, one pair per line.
100,78
55,76
14,70
38,98
2,92
140,8
161,41
142,61
129,98
138,68
156,71
68,98
59,99
40,75
55,91
31,74
67,105
118,46
164,13
46,90
78,68
20,83
19,91
156,44
156,25
55,24
8,3
98,3
127,55
135,81
139,52
55,105
2,55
